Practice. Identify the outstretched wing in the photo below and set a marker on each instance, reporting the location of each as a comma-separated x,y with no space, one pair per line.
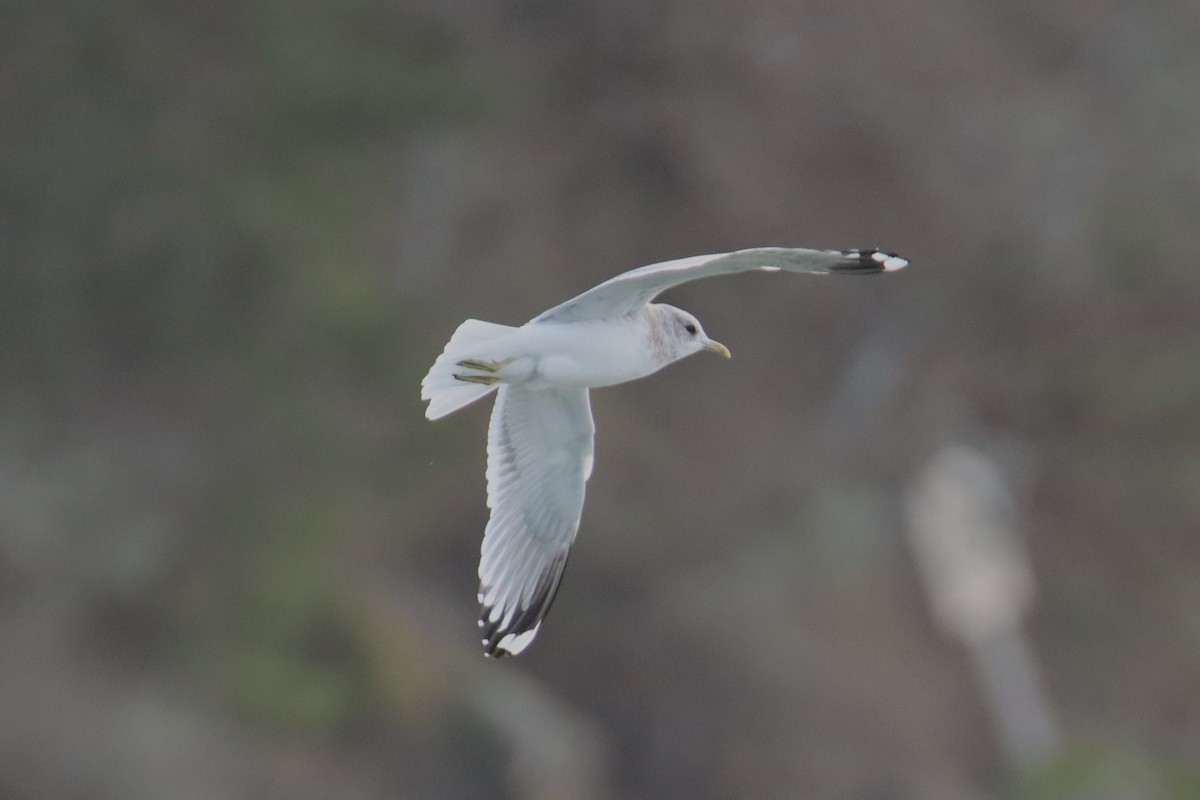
539,458
631,290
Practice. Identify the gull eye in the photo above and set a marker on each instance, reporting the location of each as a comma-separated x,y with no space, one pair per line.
690,328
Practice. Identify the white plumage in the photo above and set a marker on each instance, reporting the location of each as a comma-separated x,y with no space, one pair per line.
541,431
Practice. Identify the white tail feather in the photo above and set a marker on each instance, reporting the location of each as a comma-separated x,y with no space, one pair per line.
447,394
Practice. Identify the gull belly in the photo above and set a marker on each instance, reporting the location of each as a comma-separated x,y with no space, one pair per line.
584,354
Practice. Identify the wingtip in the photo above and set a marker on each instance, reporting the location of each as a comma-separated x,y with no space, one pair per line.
890,261
869,261
499,644
510,631
511,644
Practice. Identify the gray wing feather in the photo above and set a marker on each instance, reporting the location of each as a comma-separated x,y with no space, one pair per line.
631,290
539,457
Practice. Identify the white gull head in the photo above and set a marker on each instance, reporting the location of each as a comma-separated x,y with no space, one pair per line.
676,334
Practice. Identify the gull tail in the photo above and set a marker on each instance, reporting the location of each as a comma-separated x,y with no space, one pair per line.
446,393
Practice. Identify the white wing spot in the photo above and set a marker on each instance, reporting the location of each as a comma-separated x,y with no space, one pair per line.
514,643
889,262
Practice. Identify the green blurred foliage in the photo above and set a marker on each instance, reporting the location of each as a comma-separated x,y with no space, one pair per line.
191,194
1087,772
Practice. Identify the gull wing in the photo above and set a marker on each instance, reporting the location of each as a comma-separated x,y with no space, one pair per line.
539,458
631,290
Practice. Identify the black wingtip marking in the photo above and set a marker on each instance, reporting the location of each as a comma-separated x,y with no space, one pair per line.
868,262
528,617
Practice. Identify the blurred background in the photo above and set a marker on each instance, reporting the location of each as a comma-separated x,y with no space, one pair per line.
928,536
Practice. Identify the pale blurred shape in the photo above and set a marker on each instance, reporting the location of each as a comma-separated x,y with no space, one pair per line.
980,584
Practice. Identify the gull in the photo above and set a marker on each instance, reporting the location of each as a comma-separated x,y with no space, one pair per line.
539,450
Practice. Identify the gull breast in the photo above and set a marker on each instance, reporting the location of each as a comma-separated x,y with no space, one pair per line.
592,353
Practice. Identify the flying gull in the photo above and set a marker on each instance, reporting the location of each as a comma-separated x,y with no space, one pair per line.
540,435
